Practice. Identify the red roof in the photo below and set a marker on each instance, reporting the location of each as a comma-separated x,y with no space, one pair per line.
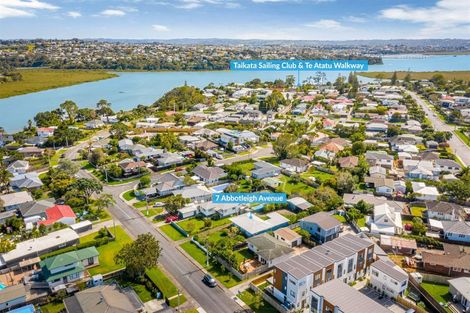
56,213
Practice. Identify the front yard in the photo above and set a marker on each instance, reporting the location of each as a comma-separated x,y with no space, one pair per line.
171,232
195,225
249,297
166,286
216,270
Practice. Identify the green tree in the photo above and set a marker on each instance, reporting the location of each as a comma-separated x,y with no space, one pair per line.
393,80
6,245
68,167
103,108
180,98
119,130
144,181
273,101
174,203
139,255
4,177
97,157
104,201
419,228
87,187
345,182
71,108
282,144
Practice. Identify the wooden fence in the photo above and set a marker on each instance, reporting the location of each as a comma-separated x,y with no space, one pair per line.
427,298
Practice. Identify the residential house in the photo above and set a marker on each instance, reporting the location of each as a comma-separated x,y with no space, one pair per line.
236,137
264,169
166,183
459,288
420,169
348,162
386,220
298,204
377,172
454,261
447,165
68,267
59,214
287,235
45,131
294,165
268,249
18,167
443,211
351,199
251,225
388,279
131,167
383,186
347,258
205,145
94,124
209,175
376,126
379,158
15,200
31,152
457,231
210,208
424,192
28,181
194,193
338,297
322,226
398,245
169,158
35,247
34,211
12,296
104,299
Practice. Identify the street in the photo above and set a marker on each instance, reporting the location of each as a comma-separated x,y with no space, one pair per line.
458,147
187,274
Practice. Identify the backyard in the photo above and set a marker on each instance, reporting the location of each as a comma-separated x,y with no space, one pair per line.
290,186
216,270
195,225
319,175
417,211
249,297
439,292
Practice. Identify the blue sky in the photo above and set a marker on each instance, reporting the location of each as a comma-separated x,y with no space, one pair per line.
237,19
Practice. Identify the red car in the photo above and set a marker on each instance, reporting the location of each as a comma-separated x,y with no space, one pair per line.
171,218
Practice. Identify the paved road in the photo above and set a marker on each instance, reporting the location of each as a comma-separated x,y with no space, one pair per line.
458,147
259,153
187,274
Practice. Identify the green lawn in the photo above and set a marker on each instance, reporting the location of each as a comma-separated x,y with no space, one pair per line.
243,254
272,160
246,167
417,211
53,307
151,211
340,218
319,175
42,79
290,187
128,195
141,290
463,136
197,224
108,251
171,232
439,292
248,296
165,285
244,186
216,270
361,222
56,157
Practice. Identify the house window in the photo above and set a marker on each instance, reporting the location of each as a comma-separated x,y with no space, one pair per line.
317,277
340,270
91,261
350,265
314,305
292,293
292,282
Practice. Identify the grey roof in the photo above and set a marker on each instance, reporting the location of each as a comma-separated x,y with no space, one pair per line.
104,299
462,285
28,180
390,270
322,256
354,198
378,155
300,203
11,293
209,173
322,219
443,207
295,162
457,227
36,208
348,299
269,248
16,198
447,162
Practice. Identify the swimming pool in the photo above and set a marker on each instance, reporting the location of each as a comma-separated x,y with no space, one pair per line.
2,286
220,188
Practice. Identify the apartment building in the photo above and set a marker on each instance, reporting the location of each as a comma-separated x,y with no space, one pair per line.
346,258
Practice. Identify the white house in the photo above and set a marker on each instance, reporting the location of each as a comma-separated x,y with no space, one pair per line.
294,165
386,220
388,278
423,192
18,167
459,288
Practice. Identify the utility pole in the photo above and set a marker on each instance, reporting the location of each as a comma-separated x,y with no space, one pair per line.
114,226
178,299
147,201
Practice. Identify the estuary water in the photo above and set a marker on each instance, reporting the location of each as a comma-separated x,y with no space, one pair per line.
133,88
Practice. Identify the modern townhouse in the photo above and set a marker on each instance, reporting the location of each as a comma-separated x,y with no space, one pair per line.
388,278
346,258
337,297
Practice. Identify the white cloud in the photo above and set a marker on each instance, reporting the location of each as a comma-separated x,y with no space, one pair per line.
292,1
19,8
74,14
194,4
446,18
160,28
326,24
113,12
355,19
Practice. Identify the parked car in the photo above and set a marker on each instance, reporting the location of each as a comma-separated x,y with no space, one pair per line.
171,218
209,281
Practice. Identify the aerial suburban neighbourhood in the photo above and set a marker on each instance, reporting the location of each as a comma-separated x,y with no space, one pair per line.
145,175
